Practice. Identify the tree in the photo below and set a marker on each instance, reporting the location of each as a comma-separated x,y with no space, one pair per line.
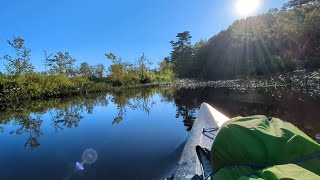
113,58
199,44
296,30
166,70
278,41
19,65
98,70
117,70
297,3
181,55
166,64
273,11
143,69
61,63
85,69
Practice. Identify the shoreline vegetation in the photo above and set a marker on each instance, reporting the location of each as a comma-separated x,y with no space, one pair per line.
252,95
301,81
20,81
281,47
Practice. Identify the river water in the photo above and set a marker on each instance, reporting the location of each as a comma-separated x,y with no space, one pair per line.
137,134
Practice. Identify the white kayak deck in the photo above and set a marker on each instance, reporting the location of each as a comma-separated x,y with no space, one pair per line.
209,119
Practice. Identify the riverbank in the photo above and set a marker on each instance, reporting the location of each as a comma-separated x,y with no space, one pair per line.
300,81
32,116
37,87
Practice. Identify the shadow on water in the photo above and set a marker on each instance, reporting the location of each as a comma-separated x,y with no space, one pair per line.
297,108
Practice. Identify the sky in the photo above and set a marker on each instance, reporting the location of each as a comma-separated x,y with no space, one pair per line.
90,28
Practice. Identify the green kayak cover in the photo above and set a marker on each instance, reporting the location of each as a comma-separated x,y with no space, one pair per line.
256,147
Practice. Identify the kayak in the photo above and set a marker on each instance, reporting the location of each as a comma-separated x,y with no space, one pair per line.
252,147
203,133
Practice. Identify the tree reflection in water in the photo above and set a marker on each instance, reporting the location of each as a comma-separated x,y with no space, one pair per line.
133,99
28,116
296,107
30,126
69,117
67,113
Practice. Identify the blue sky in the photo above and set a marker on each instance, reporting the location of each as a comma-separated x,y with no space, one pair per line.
90,28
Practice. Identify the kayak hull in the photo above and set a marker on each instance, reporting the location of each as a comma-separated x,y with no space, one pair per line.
202,134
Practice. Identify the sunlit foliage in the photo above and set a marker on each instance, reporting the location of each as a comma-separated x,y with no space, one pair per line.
125,73
60,63
276,42
20,63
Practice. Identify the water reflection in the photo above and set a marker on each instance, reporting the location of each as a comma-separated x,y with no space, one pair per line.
298,107
68,117
30,126
28,116
133,99
67,113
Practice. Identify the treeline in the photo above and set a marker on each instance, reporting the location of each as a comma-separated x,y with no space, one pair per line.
278,41
63,77
126,73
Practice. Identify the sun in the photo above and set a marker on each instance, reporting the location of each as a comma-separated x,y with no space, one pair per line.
247,7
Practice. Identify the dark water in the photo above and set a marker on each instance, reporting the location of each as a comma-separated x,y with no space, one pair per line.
137,134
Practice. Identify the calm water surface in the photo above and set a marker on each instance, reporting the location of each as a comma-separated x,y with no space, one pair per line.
137,134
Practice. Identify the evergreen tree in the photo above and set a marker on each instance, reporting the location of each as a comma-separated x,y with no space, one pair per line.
181,55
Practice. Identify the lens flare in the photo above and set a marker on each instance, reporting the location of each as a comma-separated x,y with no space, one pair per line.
89,156
79,166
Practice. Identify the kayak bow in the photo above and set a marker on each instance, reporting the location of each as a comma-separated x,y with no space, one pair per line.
202,134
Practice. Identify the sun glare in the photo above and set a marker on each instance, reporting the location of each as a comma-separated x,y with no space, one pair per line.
247,7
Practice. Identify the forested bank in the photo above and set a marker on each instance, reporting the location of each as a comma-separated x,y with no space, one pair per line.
276,42
63,77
